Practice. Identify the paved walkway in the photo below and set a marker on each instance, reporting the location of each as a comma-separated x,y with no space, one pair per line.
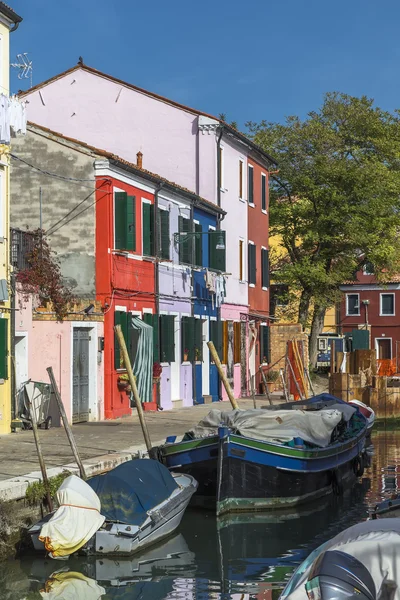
101,445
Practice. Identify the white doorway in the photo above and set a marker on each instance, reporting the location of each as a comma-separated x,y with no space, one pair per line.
21,359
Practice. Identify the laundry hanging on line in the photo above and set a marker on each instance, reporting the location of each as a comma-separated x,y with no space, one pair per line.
12,117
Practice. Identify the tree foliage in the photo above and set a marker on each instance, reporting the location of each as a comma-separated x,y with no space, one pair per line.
335,202
43,276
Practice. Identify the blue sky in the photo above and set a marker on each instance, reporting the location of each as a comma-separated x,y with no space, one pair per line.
253,60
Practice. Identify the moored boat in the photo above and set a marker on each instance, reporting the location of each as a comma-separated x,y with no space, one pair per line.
368,413
275,458
136,504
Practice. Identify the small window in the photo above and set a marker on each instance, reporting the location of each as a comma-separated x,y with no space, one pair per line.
387,304
250,185
263,192
353,304
368,268
322,344
240,179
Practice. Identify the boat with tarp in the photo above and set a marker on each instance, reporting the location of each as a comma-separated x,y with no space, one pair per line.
119,513
272,458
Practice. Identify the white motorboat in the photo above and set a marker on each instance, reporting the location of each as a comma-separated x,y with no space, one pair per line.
119,513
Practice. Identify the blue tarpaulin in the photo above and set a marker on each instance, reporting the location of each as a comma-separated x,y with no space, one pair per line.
127,492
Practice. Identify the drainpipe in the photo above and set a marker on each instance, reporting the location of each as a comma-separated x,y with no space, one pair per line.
192,301
156,273
218,167
12,375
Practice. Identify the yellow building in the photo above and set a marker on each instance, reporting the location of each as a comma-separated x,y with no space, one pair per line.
287,305
9,22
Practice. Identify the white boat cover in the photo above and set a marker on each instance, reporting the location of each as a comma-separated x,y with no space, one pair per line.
279,426
71,586
375,543
75,521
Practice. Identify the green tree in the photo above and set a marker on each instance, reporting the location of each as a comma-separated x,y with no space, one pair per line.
336,199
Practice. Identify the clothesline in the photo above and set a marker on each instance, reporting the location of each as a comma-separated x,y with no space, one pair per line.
12,116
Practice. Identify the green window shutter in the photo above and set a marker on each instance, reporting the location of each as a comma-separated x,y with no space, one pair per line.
217,257
152,320
250,182
164,236
187,337
125,221
4,348
185,246
167,338
198,245
216,336
148,229
263,192
198,339
120,318
265,268
264,346
252,263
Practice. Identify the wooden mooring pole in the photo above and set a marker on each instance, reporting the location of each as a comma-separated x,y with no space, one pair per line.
67,426
224,380
40,456
132,381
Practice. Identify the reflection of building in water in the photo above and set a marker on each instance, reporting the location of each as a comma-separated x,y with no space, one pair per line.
384,471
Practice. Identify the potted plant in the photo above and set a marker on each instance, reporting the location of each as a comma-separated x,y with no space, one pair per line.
197,354
124,383
272,377
157,370
185,355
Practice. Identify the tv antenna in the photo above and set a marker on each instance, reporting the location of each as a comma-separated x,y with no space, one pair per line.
25,67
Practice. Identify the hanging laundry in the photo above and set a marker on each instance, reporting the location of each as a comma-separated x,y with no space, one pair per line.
210,278
220,291
18,115
4,119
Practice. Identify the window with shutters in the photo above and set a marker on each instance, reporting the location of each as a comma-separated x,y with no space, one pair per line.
167,338
198,242
264,193
241,166
264,344
120,318
241,260
124,221
163,234
216,336
250,185
3,348
148,228
153,321
217,256
187,338
185,243
237,331
264,268
252,263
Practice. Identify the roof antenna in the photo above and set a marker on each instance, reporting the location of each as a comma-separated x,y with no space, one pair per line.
25,67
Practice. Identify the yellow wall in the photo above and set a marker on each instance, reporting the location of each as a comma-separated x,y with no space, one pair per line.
288,314
5,386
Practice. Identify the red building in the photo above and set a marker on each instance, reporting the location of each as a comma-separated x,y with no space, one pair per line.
258,265
370,306
125,282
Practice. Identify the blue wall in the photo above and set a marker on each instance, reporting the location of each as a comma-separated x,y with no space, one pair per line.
202,299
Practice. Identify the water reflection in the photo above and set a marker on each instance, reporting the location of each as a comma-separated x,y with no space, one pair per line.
243,556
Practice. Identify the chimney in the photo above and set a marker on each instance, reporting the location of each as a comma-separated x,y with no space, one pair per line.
139,159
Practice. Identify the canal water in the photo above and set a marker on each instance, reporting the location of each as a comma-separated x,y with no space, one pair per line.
241,557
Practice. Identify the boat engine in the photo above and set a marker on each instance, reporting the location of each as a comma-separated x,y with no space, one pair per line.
336,575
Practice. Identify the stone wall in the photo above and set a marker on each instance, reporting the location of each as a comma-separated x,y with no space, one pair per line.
280,335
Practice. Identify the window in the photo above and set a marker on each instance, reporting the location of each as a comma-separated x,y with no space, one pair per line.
125,221
264,344
252,263
148,228
241,266
216,336
240,179
263,192
191,339
280,294
153,321
3,348
352,304
237,342
322,344
217,255
264,268
163,234
221,167
387,304
185,245
167,338
198,245
120,318
250,185
368,268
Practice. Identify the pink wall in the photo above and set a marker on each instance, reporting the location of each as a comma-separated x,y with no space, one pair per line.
50,344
